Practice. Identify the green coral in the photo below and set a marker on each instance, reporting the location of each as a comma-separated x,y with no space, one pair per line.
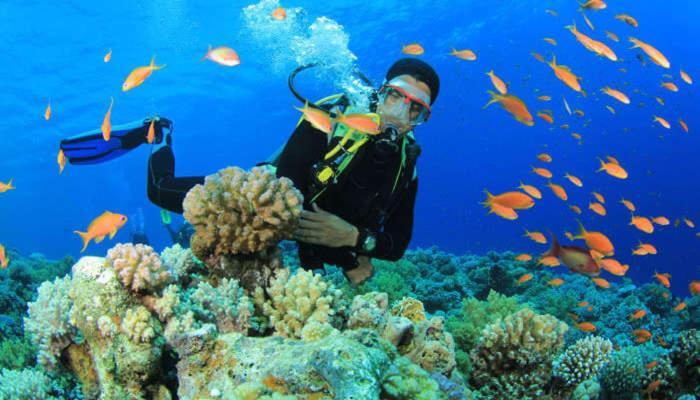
405,380
26,384
17,353
475,314
623,375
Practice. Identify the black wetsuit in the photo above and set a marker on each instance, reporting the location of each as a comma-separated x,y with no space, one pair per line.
362,196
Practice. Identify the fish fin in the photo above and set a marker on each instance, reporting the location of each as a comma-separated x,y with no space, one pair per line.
99,239
553,63
85,238
582,230
114,232
634,41
494,98
487,203
602,165
155,67
206,55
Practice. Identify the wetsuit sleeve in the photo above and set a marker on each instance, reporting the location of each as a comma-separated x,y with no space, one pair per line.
304,148
163,188
393,239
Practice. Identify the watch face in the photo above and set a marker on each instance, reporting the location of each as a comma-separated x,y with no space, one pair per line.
370,243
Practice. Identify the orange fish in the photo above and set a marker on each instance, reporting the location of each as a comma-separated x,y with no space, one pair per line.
413,49
596,240
629,205
662,342
637,315
664,279
536,237
651,364
465,54
642,335
514,199
524,278
598,197
549,261
4,187
694,288
107,56
47,112
628,19
588,22
611,109
558,191
576,136
612,169
503,212
497,82
656,56
574,179
569,235
612,36
689,223
686,78
524,257
597,208
318,118
586,327
613,266
531,190
652,387
4,259
616,94
583,303
140,74
575,258
602,283
550,41
106,224
151,135
555,282
513,105
362,123
579,113
660,100
597,47
575,209
663,221
544,98
669,86
595,254
279,14
537,56
612,160
680,307
543,172
662,122
61,160
595,5
546,115
683,125
642,223
106,124
565,75
222,55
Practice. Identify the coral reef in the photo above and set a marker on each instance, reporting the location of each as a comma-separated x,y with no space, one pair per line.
685,357
138,267
513,358
26,384
582,360
622,376
236,211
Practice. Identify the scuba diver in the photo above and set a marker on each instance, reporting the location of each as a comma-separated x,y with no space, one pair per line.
180,235
359,190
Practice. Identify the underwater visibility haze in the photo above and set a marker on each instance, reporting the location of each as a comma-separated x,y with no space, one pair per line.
501,205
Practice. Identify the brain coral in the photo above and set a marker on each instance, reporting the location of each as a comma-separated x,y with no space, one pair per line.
514,356
236,211
138,267
583,360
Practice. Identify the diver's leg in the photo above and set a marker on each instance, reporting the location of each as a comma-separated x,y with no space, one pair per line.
164,189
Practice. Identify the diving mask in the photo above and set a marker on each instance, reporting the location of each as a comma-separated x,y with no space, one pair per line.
404,102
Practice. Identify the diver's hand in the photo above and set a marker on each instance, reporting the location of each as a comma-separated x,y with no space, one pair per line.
325,229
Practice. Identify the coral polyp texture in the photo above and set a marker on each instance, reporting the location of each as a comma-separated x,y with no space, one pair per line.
241,212
138,267
583,360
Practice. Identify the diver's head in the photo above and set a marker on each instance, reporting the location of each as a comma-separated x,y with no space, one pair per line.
407,94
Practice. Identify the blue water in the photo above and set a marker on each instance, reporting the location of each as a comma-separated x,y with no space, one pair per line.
238,116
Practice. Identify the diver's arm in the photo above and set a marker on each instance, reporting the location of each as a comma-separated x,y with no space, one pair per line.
304,148
393,240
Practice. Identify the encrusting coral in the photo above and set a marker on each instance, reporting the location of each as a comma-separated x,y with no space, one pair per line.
237,211
514,356
583,360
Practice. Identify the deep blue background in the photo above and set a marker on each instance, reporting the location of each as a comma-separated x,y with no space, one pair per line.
238,116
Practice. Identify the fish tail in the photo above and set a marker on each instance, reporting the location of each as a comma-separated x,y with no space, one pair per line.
489,73
582,230
153,65
572,27
634,41
206,55
9,184
85,238
554,248
602,165
494,98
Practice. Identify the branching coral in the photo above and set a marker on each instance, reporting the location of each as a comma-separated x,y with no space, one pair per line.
48,323
685,357
513,358
295,300
622,376
179,261
236,211
225,305
138,267
26,384
583,360
137,325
